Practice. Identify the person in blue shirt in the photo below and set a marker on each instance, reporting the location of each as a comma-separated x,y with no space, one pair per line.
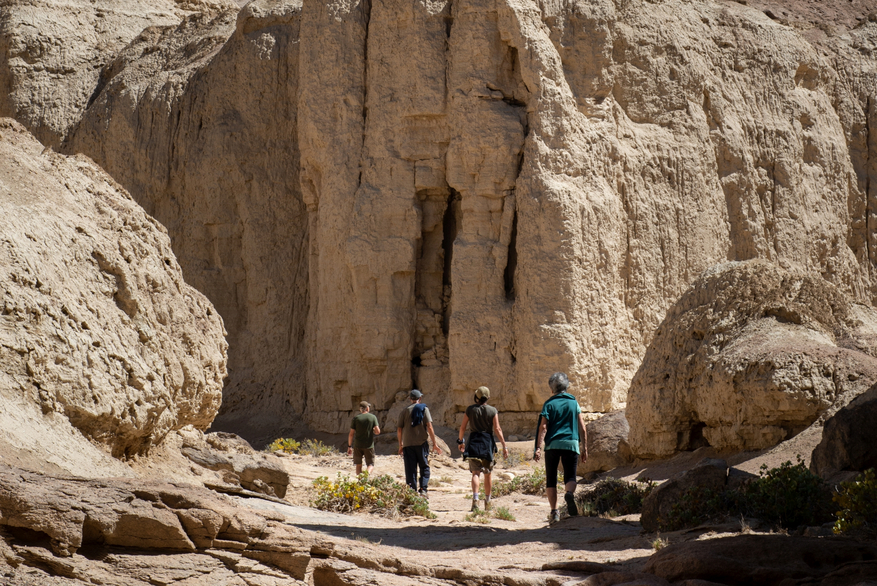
558,437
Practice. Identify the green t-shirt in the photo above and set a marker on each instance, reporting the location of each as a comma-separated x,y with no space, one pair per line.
562,412
364,435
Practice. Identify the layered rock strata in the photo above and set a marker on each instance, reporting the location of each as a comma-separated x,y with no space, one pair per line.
749,356
98,330
483,191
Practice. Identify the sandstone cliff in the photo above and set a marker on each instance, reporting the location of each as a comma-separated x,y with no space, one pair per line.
749,356
100,337
385,195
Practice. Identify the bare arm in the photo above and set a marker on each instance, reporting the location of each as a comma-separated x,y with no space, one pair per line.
584,432
377,430
498,431
462,432
431,433
350,442
543,429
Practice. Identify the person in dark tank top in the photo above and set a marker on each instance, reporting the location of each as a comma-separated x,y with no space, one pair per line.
481,448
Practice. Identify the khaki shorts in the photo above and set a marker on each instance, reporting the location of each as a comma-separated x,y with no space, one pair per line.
369,454
477,465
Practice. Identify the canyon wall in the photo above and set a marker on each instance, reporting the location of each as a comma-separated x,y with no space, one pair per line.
380,195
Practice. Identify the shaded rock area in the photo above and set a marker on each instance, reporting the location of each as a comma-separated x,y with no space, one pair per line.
750,355
848,442
768,560
710,474
100,337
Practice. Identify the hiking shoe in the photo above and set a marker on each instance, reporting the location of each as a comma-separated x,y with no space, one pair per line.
422,492
474,506
487,505
554,516
571,504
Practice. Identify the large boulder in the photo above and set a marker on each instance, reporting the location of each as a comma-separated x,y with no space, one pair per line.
710,474
848,442
607,443
98,329
750,355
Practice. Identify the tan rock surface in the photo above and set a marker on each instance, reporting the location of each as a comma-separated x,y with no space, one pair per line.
750,355
98,330
489,190
198,121
51,53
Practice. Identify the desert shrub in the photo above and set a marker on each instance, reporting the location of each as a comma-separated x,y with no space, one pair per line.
373,494
614,497
699,505
857,500
284,444
532,483
308,447
504,514
514,460
788,496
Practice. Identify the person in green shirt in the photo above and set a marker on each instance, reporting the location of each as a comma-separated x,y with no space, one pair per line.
361,439
560,421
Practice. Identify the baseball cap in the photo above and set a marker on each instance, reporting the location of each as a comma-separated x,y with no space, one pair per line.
415,394
482,393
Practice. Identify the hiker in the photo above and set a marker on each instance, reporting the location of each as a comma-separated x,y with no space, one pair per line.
558,436
482,444
361,439
415,423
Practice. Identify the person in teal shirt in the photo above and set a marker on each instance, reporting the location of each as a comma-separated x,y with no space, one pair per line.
558,437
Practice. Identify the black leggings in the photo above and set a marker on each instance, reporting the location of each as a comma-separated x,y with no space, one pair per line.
568,458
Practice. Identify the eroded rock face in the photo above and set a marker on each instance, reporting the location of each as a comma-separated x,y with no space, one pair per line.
97,326
750,355
483,191
51,53
198,121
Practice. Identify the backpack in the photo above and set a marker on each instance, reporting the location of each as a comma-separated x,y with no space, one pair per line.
417,414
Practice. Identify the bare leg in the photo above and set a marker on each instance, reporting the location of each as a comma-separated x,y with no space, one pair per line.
369,469
358,469
488,484
476,480
552,497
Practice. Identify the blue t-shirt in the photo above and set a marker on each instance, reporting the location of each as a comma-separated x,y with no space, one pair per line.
562,412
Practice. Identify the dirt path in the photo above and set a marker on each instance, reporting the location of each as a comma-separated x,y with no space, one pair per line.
526,542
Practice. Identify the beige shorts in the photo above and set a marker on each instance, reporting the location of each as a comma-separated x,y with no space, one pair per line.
369,454
477,465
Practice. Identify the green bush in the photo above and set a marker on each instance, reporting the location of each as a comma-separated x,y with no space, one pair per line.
378,494
308,447
699,505
858,502
614,497
532,483
788,496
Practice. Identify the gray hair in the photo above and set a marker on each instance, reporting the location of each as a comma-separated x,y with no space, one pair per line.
558,382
